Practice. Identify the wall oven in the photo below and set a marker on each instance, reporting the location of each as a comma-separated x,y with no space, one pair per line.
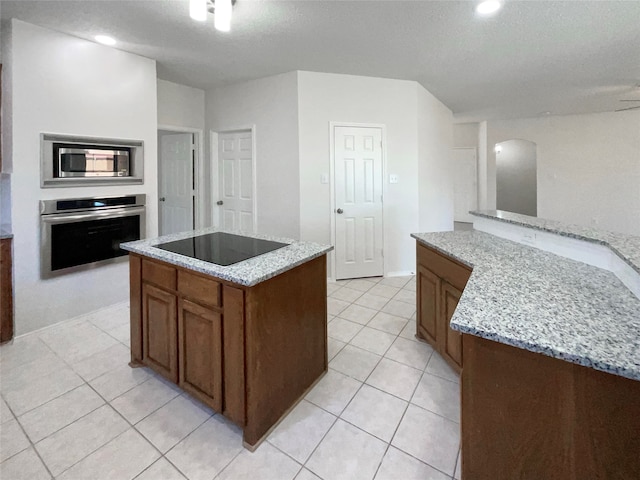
82,233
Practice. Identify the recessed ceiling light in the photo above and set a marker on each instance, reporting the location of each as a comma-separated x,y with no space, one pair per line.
488,7
105,40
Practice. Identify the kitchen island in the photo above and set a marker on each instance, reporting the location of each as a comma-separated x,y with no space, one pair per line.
549,350
248,339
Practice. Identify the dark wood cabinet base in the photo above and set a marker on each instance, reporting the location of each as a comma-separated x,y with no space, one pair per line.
6,290
250,353
440,281
529,416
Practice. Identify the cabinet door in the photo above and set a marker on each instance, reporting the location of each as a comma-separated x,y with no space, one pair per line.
452,342
159,331
428,305
200,350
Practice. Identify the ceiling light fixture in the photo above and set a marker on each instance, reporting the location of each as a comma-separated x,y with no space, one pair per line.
198,10
488,7
221,9
222,14
105,40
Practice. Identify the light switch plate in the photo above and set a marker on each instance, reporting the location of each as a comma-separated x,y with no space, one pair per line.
393,178
324,178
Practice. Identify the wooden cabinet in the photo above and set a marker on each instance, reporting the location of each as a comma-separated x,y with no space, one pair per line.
6,290
249,353
452,340
200,350
428,285
182,339
440,282
529,416
159,331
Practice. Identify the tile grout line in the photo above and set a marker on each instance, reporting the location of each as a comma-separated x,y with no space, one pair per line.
382,355
153,375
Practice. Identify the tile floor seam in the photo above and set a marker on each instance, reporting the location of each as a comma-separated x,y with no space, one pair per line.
179,441
96,449
116,339
191,433
410,454
383,456
64,426
32,446
342,411
170,462
217,475
12,342
129,424
424,408
321,440
455,469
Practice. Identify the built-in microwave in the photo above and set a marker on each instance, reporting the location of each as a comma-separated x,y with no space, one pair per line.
69,161
73,160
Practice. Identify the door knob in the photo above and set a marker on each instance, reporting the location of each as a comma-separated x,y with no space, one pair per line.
219,202
162,199
339,211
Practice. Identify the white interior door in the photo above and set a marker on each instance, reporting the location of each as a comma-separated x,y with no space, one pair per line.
176,192
235,160
465,184
358,202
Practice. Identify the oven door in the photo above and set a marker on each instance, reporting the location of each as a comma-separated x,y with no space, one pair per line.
78,241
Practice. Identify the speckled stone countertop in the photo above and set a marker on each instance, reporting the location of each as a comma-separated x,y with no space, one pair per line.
5,232
248,272
626,247
534,300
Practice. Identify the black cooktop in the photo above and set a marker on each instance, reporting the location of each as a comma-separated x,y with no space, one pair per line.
221,248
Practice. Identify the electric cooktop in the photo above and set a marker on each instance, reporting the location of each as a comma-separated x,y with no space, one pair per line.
221,248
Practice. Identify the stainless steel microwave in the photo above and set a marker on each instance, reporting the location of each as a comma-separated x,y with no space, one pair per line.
75,161
90,161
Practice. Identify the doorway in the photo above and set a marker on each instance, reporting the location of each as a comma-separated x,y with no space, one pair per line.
236,181
178,171
358,200
516,177
465,184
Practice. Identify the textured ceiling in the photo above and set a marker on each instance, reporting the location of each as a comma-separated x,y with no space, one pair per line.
532,57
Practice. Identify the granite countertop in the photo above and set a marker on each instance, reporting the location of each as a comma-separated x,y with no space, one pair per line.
248,272
626,247
541,302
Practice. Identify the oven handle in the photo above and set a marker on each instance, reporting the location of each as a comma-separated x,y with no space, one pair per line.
75,217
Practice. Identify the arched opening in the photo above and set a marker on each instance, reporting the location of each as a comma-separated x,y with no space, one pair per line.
516,177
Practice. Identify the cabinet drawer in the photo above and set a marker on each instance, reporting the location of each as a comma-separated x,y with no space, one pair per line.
449,270
202,290
159,274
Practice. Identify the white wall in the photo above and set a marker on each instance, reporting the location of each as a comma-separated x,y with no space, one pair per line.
465,135
516,177
271,105
180,105
66,85
6,111
588,167
325,98
435,143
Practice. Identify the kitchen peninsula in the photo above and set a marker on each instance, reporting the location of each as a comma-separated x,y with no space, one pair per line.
237,321
549,347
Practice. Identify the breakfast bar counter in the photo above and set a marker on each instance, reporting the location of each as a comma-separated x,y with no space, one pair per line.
548,348
249,338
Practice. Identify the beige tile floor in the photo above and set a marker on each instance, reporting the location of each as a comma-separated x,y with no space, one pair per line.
388,409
